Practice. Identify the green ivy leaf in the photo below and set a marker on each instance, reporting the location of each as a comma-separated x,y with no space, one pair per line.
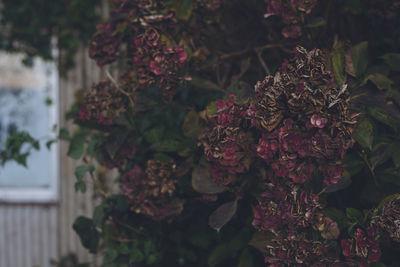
393,60
81,170
360,57
365,134
76,146
222,215
87,232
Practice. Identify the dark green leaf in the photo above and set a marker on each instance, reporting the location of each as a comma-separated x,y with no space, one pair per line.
223,215
260,240
87,233
81,170
246,259
338,64
393,60
381,81
136,256
354,215
343,182
396,154
337,215
202,182
76,147
360,57
365,133
218,254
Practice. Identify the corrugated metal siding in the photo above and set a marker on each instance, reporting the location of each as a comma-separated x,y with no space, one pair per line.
32,234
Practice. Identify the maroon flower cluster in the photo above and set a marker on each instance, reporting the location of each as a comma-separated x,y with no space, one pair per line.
292,13
363,247
153,60
152,192
387,221
102,104
295,249
300,125
285,206
227,143
138,24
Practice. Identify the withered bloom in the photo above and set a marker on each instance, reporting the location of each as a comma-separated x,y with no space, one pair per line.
227,143
152,192
294,249
388,220
102,104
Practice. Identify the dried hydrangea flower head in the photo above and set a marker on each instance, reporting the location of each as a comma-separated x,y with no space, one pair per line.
152,192
388,220
292,13
102,104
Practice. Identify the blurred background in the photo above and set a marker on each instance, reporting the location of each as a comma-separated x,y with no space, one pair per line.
38,83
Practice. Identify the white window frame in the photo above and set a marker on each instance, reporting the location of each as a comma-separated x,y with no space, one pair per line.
49,194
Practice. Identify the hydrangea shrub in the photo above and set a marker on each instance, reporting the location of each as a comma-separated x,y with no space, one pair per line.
244,133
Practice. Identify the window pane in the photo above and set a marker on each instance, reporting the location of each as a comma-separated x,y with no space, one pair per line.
27,103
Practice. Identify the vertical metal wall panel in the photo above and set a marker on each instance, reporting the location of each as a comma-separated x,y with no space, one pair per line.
26,238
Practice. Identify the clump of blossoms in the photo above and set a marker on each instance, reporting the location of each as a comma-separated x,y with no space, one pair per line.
227,143
387,220
292,13
151,61
363,247
299,125
103,104
151,192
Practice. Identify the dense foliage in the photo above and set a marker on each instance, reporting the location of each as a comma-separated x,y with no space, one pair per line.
245,133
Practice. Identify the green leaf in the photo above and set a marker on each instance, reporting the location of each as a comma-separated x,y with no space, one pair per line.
76,147
393,60
354,215
222,215
246,259
260,240
101,213
338,64
338,216
185,8
81,170
390,175
136,256
191,126
381,81
365,134
343,182
87,233
204,84
80,186
353,163
360,57
110,254
218,254
396,154
383,116
202,182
